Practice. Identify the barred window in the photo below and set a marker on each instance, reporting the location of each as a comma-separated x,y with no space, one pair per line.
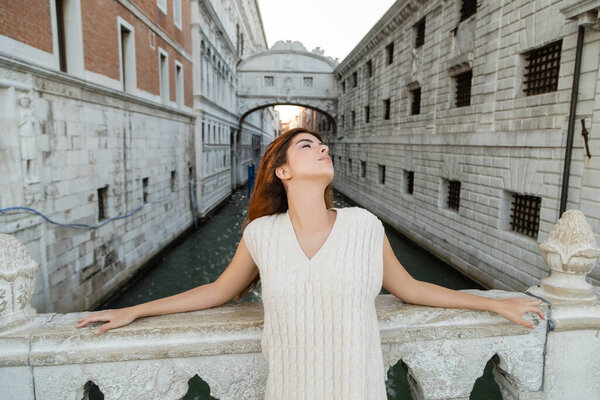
420,33
353,118
453,194
467,8
308,81
525,214
382,174
541,71
269,81
344,86
363,169
463,88
389,51
369,68
386,109
410,179
350,166
416,101
367,114
354,79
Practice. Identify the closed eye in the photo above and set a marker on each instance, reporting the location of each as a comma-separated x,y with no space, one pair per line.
306,145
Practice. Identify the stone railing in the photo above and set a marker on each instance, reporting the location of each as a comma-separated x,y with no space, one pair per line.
44,356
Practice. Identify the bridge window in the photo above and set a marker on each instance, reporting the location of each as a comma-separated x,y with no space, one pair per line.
354,79
369,68
419,29
363,169
463,88
308,81
382,174
389,51
386,108
542,69
353,118
269,81
467,8
367,114
415,95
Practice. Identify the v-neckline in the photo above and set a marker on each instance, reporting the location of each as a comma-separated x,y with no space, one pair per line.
290,227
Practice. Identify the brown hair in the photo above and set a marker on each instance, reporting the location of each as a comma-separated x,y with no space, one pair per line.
268,194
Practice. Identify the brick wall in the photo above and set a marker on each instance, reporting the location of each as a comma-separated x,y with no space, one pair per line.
27,21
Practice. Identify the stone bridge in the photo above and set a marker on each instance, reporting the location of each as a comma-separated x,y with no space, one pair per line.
289,74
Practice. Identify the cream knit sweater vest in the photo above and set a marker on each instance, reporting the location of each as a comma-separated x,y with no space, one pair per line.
321,334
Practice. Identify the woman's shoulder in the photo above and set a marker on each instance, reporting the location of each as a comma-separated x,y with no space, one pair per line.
265,220
361,213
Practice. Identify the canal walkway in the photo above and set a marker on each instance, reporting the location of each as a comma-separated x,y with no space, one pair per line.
204,255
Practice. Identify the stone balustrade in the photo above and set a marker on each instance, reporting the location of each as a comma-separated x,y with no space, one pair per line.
43,356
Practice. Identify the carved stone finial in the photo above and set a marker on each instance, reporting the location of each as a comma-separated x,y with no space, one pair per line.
571,253
17,279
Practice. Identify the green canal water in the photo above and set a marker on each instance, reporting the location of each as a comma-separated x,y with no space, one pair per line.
205,254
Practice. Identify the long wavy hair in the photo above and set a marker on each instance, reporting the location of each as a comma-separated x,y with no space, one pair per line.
268,194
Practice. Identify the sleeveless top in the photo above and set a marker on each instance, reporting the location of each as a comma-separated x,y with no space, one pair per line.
320,335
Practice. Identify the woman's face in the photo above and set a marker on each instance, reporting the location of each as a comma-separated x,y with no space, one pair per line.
307,160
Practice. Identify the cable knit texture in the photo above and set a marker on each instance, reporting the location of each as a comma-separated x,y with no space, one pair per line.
321,334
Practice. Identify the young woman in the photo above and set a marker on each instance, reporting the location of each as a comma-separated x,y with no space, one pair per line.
321,268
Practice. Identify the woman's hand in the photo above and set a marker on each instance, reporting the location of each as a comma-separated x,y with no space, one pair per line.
115,318
513,308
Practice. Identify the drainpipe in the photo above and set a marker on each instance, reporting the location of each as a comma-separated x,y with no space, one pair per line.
571,128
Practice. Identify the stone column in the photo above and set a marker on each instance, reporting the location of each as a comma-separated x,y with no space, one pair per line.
572,364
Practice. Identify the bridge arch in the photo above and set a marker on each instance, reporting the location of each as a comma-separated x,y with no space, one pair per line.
288,74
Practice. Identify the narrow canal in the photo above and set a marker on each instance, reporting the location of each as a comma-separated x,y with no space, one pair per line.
205,254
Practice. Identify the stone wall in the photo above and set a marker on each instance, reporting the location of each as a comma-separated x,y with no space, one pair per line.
63,140
503,142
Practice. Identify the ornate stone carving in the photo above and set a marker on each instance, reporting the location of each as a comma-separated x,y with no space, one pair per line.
17,278
571,253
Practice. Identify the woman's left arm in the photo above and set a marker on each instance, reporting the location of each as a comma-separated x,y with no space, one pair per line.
398,282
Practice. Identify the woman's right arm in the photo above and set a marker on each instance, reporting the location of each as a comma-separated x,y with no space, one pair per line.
237,276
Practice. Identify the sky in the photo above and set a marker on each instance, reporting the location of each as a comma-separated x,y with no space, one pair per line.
336,26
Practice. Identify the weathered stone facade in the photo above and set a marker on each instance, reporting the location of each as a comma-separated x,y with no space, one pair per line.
86,145
503,142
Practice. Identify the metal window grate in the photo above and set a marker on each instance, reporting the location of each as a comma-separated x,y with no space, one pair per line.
410,179
353,118
343,86
363,169
416,101
369,68
453,194
468,8
354,79
367,114
420,33
542,67
350,166
525,214
382,174
102,202
463,88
